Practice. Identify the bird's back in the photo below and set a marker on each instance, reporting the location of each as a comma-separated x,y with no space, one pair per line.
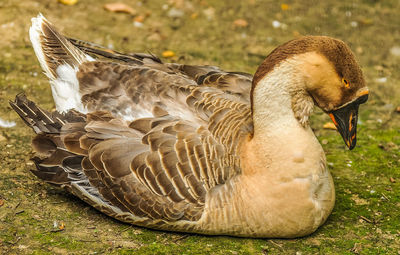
140,140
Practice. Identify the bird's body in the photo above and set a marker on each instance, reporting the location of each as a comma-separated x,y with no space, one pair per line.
191,148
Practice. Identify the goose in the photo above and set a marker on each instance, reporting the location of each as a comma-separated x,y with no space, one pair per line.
193,148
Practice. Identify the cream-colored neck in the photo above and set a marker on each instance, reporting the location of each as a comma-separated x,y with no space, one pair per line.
274,98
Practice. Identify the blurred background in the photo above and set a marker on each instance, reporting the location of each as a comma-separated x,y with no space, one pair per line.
235,35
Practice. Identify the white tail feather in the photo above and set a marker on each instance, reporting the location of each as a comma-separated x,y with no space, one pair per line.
63,80
35,32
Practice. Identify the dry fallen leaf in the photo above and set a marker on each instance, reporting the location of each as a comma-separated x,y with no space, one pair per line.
296,33
209,13
398,109
168,54
392,180
177,3
154,37
240,23
329,125
194,15
68,2
359,201
357,248
62,226
388,146
1,202
139,18
119,7
366,21
284,7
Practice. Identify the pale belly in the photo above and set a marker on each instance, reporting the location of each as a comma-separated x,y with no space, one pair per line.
288,209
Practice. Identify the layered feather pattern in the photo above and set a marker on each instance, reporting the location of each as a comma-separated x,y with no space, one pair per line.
157,137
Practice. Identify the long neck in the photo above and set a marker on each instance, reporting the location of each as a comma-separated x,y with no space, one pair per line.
273,99
280,140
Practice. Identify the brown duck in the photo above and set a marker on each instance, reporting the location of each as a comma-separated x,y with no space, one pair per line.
194,148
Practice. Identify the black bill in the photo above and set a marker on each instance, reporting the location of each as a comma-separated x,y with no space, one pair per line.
345,120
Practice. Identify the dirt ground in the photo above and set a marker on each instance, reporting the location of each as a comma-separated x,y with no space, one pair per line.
235,35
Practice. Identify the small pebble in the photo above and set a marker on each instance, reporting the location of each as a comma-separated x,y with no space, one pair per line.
209,13
381,80
175,13
276,24
354,24
6,123
137,24
395,51
7,25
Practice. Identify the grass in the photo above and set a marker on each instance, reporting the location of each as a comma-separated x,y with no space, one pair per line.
366,217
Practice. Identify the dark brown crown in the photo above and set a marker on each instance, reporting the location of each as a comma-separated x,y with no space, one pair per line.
336,51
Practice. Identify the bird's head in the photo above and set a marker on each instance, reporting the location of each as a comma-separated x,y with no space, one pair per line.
330,76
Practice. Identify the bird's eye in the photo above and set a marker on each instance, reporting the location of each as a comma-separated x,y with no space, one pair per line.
346,83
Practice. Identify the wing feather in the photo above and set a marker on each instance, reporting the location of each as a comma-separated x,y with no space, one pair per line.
158,137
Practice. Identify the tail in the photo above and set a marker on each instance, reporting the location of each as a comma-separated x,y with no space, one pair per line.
109,54
57,165
60,61
54,163
42,121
